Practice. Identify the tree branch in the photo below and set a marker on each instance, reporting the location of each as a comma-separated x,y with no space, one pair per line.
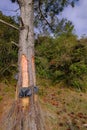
8,24
43,15
10,10
15,43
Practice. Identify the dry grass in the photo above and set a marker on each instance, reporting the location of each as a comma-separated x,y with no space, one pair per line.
67,108
59,109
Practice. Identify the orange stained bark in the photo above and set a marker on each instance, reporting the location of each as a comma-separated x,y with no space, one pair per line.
24,67
25,103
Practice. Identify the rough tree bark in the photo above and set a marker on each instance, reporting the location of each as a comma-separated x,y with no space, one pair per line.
27,76
26,55
26,44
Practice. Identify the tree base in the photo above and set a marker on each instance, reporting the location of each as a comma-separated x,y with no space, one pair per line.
17,119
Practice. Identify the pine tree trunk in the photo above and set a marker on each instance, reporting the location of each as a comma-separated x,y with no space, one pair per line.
27,76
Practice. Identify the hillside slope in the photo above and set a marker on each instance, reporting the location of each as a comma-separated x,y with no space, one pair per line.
63,109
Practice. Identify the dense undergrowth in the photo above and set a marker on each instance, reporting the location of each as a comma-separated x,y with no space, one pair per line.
62,59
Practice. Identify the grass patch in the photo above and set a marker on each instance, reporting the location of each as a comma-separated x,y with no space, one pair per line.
66,108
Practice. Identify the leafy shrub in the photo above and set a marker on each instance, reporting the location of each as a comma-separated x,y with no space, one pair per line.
8,51
62,59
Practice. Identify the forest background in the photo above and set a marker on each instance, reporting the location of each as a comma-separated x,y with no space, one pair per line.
61,58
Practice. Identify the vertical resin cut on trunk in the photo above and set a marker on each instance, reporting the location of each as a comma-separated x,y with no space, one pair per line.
25,79
24,66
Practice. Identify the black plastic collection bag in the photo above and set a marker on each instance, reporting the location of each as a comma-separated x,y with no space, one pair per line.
27,92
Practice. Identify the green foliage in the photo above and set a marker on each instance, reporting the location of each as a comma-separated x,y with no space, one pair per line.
62,59
46,16
8,51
